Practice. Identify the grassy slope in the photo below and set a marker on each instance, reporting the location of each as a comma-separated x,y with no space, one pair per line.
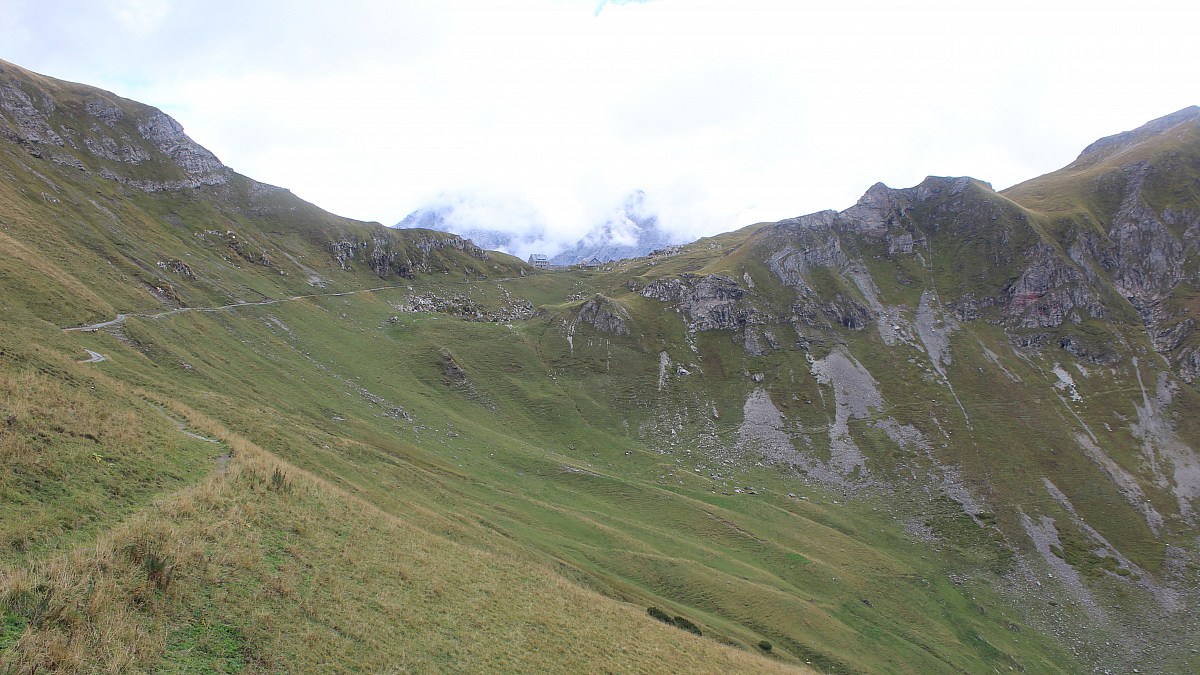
618,528
94,458
290,376
91,455
264,567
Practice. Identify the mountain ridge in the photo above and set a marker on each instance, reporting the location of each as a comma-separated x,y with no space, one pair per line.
1117,142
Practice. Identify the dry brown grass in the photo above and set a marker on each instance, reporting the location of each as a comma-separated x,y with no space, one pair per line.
79,452
34,401
311,578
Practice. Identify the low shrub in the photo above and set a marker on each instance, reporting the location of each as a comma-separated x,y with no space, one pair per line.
279,482
687,625
659,614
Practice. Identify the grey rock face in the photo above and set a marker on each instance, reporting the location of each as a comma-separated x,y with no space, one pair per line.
1141,254
812,250
104,111
710,303
1145,256
384,258
463,307
900,244
817,246
877,209
26,119
167,135
1189,364
27,124
606,315
1050,291
109,149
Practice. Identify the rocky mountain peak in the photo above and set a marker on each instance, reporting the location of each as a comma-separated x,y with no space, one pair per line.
96,131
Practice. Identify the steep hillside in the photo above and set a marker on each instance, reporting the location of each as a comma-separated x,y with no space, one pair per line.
109,211
924,434
115,195
1128,211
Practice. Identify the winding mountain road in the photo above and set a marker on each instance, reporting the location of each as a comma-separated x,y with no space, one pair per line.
93,327
94,357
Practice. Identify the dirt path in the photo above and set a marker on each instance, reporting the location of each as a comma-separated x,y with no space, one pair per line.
91,328
93,357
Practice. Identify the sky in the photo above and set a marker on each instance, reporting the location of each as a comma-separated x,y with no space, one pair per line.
547,113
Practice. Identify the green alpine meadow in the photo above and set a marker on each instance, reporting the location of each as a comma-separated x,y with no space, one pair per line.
944,430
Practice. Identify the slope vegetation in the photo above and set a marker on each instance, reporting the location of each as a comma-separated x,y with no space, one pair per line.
928,433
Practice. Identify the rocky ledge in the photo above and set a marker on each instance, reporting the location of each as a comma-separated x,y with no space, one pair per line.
710,302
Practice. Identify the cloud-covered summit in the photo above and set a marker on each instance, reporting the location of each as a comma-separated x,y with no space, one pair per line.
629,230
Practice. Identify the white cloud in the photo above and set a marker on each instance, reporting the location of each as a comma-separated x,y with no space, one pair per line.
141,17
724,113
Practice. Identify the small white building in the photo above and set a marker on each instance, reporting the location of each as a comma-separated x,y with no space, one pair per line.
539,260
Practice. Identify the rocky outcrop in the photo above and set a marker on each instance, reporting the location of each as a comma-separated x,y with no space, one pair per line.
711,302
884,217
759,343
878,209
434,243
843,311
26,124
385,255
453,374
882,213
108,148
969,308
1145,255
178,267
817,247
1049,291
104,130
250,251
463,307
901,244
791,262
1189,364
605,315
104,111
201,166
1145,259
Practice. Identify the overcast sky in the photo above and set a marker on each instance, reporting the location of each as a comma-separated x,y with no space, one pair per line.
725,113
